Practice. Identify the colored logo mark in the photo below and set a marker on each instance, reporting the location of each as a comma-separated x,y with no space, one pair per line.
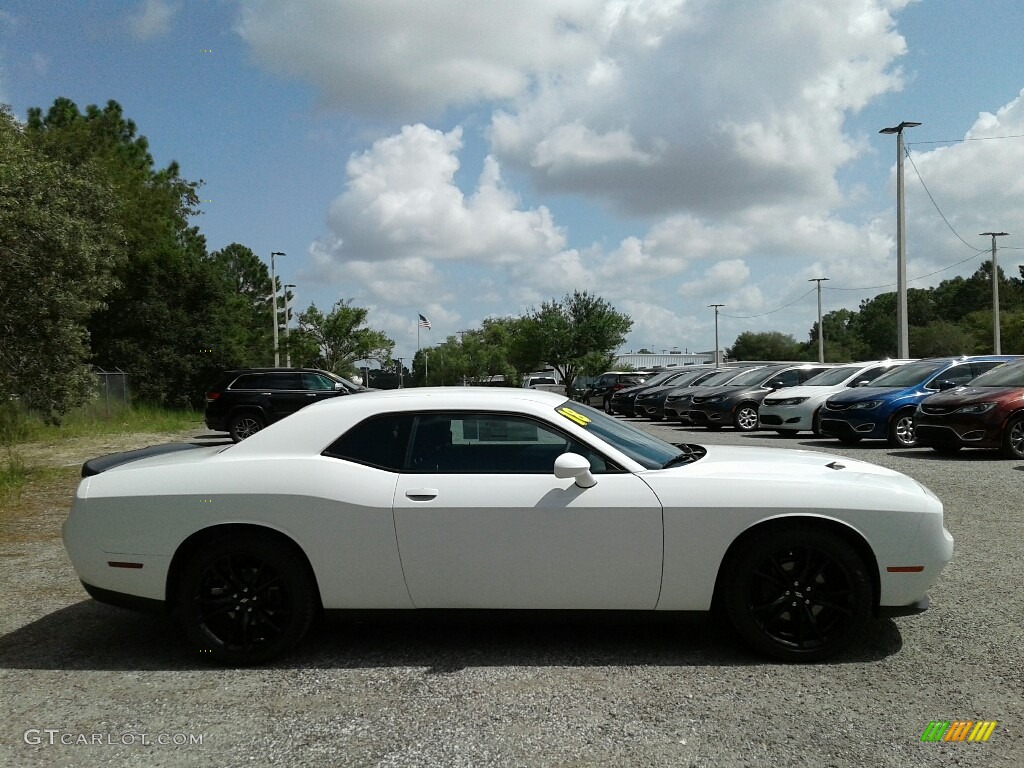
575,416
959,730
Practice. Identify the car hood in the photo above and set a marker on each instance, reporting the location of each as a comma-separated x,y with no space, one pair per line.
860,394
968,395
819,393
783,477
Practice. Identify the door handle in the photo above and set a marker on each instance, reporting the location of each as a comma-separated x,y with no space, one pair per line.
421,494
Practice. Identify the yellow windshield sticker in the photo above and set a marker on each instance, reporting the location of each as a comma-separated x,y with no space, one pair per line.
574,416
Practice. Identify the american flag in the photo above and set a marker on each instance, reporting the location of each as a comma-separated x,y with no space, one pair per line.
424,323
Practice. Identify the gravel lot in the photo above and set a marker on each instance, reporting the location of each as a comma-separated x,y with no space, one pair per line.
560,692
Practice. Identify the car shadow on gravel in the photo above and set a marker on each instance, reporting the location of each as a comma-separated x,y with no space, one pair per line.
92,636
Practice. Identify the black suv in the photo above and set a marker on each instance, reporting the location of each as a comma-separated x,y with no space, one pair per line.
243,402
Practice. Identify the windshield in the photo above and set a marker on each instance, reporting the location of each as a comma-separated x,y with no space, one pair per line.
722,376
908,375
659,378
645,449
1002,376
833,376
755,376
688,378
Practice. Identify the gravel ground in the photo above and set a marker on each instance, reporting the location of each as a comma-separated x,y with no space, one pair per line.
559,692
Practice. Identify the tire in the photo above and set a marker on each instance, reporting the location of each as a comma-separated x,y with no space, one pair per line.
245,424
745,418
798,594
816,423
245,600
608,407
1013,438
901,430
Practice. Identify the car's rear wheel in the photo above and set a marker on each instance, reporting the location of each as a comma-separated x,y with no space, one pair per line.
245,600
245,424
798,595
901,430
745,418
1013,438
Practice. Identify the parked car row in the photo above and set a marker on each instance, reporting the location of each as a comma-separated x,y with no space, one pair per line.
945,403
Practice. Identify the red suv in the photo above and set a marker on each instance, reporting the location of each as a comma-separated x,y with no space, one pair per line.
988,412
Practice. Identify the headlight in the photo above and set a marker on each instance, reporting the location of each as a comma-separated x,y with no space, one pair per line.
788,401
976,408
679,398
715,399
866,405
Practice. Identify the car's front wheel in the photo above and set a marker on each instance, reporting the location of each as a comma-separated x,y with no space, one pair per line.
245,424
1013,438
798,594
245,600
901,430
745,418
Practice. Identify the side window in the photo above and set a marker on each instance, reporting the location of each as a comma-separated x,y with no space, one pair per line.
283,381
250,381
317,382
788,378
377,442
869,375
485,443
958,374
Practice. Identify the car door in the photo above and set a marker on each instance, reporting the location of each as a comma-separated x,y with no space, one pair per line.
285,393
482,521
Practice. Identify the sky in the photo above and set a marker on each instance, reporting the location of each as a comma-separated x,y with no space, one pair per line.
470,160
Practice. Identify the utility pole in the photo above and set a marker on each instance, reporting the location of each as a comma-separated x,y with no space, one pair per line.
996,342
902,331
821,330
716,306
273,284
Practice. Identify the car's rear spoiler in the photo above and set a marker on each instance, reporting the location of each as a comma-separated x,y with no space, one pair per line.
111,460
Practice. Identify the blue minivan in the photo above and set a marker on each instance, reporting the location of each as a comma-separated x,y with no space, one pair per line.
885,410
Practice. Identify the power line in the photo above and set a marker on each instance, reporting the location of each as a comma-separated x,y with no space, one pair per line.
964,141
771,312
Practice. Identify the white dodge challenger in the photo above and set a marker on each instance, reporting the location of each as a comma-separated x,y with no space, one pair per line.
477,498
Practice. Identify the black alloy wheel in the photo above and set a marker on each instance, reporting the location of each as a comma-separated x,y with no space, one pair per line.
901,430
245,424
1013,438
798,594
245,601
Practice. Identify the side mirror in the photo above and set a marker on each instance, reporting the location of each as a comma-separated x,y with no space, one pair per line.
573,465
863,383
338,386
946,384
777,384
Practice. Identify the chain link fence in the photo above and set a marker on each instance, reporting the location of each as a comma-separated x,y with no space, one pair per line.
112,387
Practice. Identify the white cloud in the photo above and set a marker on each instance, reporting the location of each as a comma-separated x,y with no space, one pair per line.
404,57
151,18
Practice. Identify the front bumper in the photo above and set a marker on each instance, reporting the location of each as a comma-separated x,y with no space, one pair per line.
967,433
866,427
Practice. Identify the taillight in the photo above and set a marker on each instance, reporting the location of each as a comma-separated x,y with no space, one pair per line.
211,396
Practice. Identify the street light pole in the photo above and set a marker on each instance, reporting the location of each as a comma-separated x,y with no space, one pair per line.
273,285
716,306
821,331
902,331
287,346
996,342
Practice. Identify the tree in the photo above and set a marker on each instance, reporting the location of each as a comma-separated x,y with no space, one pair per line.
61,242
766,345
335,341
250,304
168,309
565,335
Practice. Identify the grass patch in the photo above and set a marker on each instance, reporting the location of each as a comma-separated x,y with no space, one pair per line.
13,475
92,419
